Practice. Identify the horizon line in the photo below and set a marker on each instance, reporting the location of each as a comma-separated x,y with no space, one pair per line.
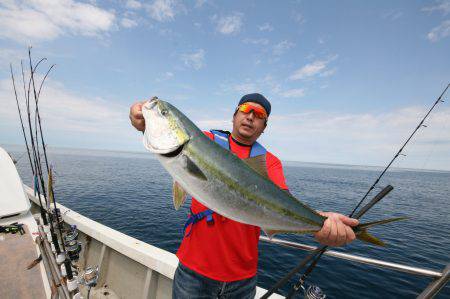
288,161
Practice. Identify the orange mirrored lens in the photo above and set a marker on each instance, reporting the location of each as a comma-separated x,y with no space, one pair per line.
258,111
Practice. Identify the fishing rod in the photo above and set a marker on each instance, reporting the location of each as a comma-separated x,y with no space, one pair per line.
43,216
317,254
34,157
51,192
35,162
62,256
38,176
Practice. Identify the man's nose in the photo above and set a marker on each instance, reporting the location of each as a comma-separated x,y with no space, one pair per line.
251,115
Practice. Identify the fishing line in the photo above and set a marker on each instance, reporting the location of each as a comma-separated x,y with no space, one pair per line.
316,254
435,142
20,117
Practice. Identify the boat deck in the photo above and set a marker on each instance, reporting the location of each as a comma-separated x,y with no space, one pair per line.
16,253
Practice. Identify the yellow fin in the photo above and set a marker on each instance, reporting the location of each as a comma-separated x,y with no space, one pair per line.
364,236
380,222
258,164
179,195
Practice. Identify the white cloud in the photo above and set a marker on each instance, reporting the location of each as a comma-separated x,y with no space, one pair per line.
195,60
8,56
128,23
265,27
256,41
350,138
28,21
267,85
133,4
245,88
64,112
440,6
328,73
317,67
362,139
162,10
439,32
293,93
228,24
282,47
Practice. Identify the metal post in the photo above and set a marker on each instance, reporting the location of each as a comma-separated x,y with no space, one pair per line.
434,287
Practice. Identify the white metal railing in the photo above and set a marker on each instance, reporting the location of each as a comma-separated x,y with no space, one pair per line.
440,279
359,259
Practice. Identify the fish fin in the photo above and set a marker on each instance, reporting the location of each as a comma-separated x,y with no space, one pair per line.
364,236
194,170
379,222
272,232
179,195
258,164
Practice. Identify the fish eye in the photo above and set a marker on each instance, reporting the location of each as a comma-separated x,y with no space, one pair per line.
164,112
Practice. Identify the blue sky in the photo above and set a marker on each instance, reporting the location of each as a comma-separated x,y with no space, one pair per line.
348,80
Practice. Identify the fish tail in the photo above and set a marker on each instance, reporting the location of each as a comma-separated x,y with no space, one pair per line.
363,235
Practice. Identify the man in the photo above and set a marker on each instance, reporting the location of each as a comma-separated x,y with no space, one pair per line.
219,256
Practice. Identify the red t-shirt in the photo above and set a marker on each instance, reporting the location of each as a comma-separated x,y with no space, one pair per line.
226,250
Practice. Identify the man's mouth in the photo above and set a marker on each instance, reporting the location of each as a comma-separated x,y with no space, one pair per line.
247,126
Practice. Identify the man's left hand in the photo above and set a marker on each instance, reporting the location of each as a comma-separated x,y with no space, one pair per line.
336,230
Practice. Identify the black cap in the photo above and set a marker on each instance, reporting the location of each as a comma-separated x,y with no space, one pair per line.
256,98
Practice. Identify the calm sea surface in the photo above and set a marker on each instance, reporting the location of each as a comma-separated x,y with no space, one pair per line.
132,193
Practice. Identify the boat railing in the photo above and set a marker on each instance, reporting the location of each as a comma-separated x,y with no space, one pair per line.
440,278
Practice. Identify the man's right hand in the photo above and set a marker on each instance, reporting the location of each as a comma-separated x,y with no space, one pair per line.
136,117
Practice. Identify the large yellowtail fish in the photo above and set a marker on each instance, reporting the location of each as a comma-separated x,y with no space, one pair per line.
235,188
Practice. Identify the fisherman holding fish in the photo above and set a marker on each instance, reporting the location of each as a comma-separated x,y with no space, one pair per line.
218,255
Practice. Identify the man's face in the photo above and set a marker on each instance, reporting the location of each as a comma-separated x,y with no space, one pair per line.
247,126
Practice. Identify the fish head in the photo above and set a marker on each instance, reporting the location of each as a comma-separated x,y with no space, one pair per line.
164,132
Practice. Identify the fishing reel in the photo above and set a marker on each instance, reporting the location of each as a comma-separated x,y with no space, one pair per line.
89,277
72,234
56,218
73,247
313,292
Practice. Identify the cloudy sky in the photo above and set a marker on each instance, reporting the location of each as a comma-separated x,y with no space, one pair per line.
348,80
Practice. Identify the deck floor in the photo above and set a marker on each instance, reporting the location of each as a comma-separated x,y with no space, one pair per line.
16,253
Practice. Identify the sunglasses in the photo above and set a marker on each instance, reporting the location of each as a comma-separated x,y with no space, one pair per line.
259,112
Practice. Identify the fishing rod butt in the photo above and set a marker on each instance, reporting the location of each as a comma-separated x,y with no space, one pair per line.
380,195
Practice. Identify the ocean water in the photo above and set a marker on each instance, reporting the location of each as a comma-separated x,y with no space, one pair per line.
131,192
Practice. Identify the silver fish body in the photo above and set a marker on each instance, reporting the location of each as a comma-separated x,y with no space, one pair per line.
218,179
